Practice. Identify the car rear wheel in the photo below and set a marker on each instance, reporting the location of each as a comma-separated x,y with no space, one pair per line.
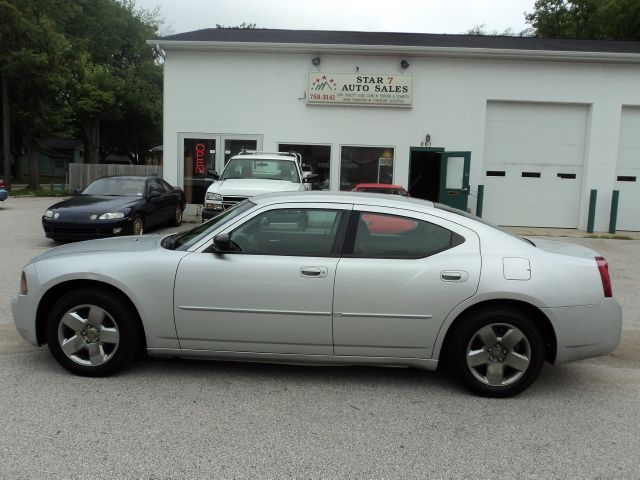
91,333
177,219
137,225
496,352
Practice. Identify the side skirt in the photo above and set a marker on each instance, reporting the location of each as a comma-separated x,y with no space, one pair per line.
294,359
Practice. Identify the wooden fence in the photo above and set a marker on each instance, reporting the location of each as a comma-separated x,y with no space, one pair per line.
82,174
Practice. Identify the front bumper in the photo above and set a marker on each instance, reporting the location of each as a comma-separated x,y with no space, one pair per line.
71,231
3,194
208,214
586,331
24,307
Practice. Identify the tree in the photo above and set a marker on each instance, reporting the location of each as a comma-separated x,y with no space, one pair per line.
117,77
34,76
594,19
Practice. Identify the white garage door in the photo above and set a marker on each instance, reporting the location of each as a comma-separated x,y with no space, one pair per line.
533,162
628,170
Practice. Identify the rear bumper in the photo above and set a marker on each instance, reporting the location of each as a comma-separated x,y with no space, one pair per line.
586,331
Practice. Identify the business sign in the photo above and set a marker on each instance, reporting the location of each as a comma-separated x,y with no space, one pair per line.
360,89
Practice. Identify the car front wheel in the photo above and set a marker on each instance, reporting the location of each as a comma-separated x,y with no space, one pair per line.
91,333
137,225
177,218
496,352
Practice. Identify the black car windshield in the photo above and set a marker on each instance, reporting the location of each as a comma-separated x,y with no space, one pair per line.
261,169
117,186
184,240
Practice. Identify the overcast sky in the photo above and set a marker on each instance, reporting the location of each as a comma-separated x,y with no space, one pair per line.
420,16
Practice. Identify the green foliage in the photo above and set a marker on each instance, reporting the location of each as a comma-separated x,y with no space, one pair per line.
594,19
83,67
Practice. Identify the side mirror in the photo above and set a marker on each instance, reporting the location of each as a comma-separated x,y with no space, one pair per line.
78,191
213,174
312,178
154,194
222,243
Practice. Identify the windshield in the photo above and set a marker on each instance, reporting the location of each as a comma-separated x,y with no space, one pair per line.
184,240
261,169
117,186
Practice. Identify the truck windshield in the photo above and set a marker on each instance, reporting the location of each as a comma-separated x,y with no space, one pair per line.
261,169
184,240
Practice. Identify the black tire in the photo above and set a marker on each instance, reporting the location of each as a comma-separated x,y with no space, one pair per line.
100,331
137,225
177,217
501,369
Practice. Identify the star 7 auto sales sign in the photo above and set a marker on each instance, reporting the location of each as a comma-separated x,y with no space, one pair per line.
360,89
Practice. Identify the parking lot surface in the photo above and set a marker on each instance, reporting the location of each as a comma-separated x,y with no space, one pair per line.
197,419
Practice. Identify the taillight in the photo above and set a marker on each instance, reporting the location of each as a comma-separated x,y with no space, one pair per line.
23,284
603,267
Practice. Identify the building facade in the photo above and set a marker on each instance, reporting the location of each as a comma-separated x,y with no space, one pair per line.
539,123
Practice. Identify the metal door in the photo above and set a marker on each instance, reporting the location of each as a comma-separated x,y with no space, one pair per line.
394,307
454,179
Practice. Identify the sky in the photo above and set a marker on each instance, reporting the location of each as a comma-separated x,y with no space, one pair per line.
418,16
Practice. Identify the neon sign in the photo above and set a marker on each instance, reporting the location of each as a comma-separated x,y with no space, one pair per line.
199,163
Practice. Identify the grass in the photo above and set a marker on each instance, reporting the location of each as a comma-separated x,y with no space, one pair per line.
41,192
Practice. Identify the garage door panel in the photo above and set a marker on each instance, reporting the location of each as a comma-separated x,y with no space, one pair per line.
628,167
547,142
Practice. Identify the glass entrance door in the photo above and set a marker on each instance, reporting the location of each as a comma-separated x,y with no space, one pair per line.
204,151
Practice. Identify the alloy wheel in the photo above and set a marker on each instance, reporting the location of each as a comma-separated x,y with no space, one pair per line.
498,354
88,335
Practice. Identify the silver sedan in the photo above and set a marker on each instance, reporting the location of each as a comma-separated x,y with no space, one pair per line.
326,278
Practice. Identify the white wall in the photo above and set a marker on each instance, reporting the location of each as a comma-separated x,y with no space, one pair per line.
261,93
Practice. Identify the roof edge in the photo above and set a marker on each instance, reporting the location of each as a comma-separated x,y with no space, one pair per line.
417,51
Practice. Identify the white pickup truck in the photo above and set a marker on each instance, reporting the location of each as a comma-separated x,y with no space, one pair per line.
253,173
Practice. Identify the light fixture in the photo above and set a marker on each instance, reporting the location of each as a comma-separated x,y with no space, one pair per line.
404,64
315,61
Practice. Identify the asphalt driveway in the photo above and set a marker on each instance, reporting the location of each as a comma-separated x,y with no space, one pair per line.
197,419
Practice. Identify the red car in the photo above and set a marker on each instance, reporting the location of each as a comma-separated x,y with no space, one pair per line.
381,188
378,223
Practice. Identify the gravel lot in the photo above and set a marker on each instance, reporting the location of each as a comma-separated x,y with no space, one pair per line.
192,419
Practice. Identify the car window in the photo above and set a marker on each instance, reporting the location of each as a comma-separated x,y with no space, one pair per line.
185,240
155,186
381,235
167,188
299,232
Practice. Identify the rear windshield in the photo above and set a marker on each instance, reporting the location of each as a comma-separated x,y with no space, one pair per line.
462,213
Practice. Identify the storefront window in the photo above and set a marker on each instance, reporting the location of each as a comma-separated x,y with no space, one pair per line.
199,156
315,158
365,165
234,147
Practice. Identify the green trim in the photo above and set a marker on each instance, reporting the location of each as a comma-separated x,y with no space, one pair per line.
480,201
592,210
613,218
426,149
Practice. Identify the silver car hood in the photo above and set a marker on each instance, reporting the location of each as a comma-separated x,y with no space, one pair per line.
564,248
104,245
248,187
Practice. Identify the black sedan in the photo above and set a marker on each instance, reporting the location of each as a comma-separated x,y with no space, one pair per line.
123,205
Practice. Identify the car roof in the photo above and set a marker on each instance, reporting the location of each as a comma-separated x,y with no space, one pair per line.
363,198
130,177
264,156
377,185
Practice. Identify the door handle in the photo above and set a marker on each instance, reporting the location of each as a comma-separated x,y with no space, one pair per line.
454,276
314,272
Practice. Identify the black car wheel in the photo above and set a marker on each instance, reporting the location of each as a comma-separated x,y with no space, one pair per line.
177,219
137,225
496,352
92,333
